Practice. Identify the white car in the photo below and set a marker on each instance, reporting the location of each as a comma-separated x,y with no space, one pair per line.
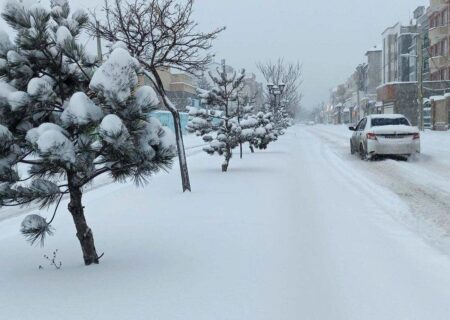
384,134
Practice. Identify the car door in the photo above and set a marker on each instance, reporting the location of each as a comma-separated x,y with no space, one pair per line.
360,133
355,136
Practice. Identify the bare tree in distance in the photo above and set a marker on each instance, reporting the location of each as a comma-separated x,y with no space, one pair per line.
160,34
289,73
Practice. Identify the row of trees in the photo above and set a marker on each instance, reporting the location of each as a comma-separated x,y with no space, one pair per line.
229,119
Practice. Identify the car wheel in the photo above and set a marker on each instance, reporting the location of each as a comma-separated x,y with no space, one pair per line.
362,152
352,150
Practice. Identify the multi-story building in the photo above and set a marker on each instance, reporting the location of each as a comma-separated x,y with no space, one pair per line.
373,80
181,88
374,70
439,35
254,90
422,24
397,41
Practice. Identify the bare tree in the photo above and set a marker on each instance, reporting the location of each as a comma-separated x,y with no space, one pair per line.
289,73
360,79
160,34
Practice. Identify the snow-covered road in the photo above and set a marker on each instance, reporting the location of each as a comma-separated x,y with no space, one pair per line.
301,231
423,183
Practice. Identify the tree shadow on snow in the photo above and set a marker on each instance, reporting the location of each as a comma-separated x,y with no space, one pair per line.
231,170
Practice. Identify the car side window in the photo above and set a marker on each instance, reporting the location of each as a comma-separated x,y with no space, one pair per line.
362,124
358,125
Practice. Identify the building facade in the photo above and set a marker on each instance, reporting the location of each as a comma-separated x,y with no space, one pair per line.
439,35
374,70
402,97
397,41
422,27
181,88
253,90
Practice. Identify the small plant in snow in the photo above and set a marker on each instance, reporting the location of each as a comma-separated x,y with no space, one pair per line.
53,260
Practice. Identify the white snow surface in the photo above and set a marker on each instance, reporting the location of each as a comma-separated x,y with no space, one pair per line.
56,146
34,134
18,99
111,125
6,89
40,88
321,235
394,128
146,97
116,77
51,140
81,110
63,35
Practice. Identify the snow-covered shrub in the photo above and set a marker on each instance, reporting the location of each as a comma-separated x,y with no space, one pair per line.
265,131
68,119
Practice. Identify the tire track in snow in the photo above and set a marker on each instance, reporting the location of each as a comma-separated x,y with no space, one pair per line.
425,192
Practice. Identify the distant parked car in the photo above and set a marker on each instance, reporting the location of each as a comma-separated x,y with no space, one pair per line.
311,123
384,134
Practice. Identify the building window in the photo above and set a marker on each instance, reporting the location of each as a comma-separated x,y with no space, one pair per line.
444,48
443,75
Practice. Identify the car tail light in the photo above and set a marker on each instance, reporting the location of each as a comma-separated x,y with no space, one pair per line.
371,136
416,136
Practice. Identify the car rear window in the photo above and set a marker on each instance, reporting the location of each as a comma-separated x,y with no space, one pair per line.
378,122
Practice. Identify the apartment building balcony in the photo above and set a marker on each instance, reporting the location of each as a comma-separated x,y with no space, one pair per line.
439,33
438,5
438,63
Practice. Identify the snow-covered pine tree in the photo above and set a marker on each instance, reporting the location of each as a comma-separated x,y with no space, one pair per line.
264,131
200,121
218,123
281,118
64,121
247,122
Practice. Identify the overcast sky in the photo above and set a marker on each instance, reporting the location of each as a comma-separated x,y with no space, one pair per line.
329,37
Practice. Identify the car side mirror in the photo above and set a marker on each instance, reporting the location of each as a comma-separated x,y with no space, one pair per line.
351,128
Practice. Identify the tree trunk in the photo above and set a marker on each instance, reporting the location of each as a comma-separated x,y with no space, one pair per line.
252,149
159,86
84,233
186,184
240,147
227,160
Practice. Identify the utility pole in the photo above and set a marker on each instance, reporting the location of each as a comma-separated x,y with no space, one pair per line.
420,80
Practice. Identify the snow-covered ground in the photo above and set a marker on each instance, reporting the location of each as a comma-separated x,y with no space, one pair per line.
301,231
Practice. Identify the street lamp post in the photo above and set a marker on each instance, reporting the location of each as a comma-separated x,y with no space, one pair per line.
276,90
